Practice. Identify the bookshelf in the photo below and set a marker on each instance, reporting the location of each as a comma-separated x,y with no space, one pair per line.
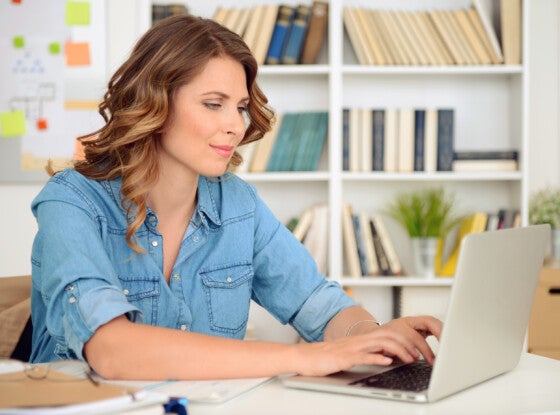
491,111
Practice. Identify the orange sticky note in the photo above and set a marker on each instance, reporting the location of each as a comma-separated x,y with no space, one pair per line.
77,54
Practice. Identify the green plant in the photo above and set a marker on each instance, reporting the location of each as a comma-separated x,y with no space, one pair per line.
425,213
544,207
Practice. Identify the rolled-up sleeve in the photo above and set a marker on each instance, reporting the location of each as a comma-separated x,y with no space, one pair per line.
287,282
72,270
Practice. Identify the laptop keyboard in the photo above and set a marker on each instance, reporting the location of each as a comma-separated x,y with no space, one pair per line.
413,377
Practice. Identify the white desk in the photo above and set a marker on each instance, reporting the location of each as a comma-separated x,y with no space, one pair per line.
533,387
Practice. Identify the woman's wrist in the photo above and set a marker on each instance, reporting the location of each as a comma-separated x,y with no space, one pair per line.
362,326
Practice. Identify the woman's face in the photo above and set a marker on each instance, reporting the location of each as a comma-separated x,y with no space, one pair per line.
206,121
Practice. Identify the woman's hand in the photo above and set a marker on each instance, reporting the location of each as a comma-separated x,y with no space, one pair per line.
403,338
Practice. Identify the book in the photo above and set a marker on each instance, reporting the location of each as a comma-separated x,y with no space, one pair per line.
385,41
316,239
395,43
486,155
311,137
242,21
372,43
484,165
390,140
316,33
466,26
360,244
264,147
303,224
296,36
510,20
349,241
405,140
253,27
354,137
231,18
439,46
280,34
382,260
279,158
438,21
430,140
460,38
485,30
473,223
419,139
345,139
356,36
220,14
368,245
265,33
445,137
366,140
378,137
418,39
393,259
407,40
246,151
507,218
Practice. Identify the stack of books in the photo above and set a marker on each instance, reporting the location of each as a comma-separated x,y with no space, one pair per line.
485,161
368,247
463,36
279,34
295,143
397,139
311,229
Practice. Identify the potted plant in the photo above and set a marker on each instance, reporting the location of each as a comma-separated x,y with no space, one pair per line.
427,215
544,207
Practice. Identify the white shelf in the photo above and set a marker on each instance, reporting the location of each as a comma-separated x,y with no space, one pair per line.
409,281
491,109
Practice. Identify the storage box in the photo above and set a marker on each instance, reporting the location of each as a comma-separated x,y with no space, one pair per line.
544,325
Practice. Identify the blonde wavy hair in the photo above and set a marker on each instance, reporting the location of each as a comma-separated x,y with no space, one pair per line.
138,100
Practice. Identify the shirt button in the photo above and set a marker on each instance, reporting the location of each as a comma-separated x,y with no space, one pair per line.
70,287
72,300
196,239
126,292
183,327
176,276
154,243
228,279
152,218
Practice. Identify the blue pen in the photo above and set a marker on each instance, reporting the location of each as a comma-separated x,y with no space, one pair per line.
176,406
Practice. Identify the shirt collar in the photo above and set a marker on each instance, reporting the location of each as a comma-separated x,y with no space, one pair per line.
206,206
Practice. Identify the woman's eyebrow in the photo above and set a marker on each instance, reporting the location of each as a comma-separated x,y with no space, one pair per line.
225,96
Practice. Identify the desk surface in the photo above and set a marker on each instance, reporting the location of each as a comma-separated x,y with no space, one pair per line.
532,387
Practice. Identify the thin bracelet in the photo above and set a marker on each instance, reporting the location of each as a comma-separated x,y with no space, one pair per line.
360,322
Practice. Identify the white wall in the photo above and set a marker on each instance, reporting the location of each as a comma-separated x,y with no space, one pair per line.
19,226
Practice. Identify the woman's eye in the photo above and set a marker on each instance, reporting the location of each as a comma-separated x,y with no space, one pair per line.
212,105
242,109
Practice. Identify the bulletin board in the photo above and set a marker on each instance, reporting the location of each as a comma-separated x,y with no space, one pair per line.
50,51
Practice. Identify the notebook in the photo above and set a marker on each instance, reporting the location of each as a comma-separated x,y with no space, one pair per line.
485,324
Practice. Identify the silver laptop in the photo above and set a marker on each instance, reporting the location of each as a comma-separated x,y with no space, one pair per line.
485,325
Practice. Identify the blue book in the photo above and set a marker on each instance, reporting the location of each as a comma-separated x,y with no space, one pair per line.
419,117
281,149
445,146
319,134
345,139
378,133
360,244
302,137
296,37
280,33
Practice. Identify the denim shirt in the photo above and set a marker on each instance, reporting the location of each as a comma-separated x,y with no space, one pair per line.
235,250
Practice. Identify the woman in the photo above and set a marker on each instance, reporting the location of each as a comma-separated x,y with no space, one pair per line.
151,229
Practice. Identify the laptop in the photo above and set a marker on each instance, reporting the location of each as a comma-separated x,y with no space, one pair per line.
485,325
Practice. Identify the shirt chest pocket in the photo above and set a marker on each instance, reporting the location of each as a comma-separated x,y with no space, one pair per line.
142,292
228,295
